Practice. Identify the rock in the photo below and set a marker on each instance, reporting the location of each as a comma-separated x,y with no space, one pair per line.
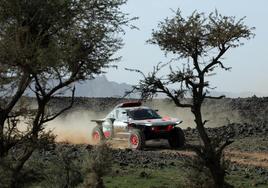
123,164
247,176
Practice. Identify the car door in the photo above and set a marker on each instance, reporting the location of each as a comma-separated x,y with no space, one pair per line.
107,125
120,123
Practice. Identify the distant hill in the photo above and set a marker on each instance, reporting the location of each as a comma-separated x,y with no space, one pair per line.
101,87
238,94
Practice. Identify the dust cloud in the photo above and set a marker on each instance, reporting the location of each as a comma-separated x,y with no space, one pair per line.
167,108
74,127
218,114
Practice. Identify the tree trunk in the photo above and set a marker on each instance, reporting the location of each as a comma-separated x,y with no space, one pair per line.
5,112
212,162
200,127
217,172
16,171
2,147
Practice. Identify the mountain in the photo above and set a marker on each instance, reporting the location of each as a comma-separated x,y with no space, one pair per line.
237,94
101,87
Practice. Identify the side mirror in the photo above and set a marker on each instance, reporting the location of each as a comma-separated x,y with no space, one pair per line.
112,120
179,122
156,110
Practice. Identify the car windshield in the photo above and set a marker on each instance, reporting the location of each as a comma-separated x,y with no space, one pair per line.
142,113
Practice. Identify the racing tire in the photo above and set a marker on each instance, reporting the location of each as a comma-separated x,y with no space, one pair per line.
136,139
97,135
176,138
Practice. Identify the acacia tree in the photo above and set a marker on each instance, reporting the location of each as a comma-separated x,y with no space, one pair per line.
46,46
202,41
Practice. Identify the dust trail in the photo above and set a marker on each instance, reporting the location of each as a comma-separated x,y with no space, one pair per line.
75,127
218,113
167,108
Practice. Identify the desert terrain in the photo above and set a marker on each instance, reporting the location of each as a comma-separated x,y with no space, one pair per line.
244,120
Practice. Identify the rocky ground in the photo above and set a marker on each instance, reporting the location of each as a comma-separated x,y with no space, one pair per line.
233,131
246,167
242,120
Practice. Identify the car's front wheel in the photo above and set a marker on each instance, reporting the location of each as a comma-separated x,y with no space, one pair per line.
176,138
136,139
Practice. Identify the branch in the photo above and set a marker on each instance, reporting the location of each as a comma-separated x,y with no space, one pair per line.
227,143
35,92
24,82
38,87
215,61
175,99
204,123
152,85
61,111
128,92
136,70
196,65
223,67
70,80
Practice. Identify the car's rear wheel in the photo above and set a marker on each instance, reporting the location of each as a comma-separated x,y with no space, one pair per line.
176,138
136,139
97,135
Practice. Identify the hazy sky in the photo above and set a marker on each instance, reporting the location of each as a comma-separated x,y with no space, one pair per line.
249,63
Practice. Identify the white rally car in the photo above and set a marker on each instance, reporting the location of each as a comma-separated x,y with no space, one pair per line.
137,124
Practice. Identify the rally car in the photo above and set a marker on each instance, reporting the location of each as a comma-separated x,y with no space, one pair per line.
137,124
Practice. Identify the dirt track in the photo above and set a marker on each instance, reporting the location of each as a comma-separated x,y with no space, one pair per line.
254,159
258,159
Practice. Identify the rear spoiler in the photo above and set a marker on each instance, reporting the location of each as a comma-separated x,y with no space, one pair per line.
129,104
98,120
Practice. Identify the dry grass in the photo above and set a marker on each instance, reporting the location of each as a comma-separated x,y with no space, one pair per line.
258,159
